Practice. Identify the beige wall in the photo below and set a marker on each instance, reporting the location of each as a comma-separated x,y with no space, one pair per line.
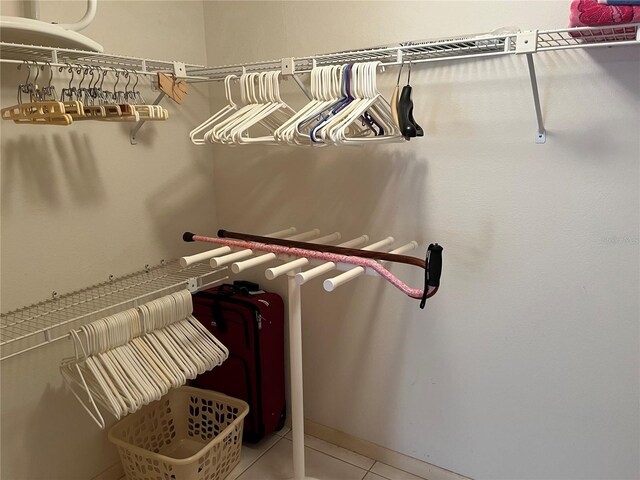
80,203
525,365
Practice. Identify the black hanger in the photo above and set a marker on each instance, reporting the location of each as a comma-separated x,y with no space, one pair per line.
409,128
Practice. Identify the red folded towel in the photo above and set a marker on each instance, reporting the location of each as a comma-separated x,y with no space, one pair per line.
590,13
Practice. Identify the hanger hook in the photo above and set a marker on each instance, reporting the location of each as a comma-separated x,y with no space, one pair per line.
50,74
409,76
128,77
400,72
69,70
35,80
117,74
84,70
25,62
92,80
104,74
137,79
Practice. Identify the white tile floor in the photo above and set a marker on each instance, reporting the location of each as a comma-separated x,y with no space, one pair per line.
271,459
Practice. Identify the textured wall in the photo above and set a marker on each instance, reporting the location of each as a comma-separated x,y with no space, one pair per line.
525,365
80,203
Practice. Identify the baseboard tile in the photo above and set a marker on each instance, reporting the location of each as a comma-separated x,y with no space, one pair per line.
379,453
114,472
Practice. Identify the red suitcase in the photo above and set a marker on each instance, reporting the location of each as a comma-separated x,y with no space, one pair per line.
251,326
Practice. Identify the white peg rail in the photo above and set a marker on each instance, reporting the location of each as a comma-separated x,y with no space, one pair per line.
241,262
239,255
201,257
304,277
330,284
275,272
37,325
262,259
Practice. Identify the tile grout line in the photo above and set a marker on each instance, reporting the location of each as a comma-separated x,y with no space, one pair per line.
396,468
374,464
366,472
259,457
340,459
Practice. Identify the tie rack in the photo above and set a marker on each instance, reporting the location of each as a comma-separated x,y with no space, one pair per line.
366,259
299,250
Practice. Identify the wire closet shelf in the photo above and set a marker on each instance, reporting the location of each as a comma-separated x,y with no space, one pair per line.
470,46
36,325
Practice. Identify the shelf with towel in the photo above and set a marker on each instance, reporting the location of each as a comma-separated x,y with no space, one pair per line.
415,52
36,325
453,48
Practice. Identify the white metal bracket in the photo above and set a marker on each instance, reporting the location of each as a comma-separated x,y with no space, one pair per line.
179,70
192,284
288,66
302,86
527,42
138,126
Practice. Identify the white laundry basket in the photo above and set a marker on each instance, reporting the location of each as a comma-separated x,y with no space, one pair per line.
189,434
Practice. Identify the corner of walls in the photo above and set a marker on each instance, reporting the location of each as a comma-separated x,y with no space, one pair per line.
80,203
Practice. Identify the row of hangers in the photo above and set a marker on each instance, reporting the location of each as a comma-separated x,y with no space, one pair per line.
93,102
345,108
129,359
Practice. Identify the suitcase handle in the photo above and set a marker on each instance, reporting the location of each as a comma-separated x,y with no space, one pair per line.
228,289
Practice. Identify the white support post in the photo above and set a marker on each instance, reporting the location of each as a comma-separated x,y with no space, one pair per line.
541,135
527,44
295,366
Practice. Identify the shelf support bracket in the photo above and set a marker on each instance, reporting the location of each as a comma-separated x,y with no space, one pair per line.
541,134
302,86
289,69
527,44
134,130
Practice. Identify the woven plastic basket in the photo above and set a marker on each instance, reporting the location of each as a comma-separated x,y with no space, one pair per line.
189,434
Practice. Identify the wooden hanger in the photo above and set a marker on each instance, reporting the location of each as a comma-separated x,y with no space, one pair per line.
176,90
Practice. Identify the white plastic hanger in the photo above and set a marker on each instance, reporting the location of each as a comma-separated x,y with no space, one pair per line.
134,357
264,107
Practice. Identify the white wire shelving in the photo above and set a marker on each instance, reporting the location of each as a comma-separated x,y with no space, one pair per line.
469,46
36,325
59,57
462,47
